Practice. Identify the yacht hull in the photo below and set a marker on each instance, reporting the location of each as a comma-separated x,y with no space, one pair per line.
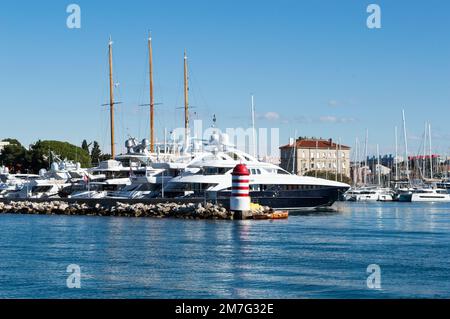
295,199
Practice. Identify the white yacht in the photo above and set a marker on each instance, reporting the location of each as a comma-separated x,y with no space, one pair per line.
39,188
47,184
13,182
209,174
425,195
369,194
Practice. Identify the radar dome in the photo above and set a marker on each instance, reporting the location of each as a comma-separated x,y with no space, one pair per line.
214,139
42,172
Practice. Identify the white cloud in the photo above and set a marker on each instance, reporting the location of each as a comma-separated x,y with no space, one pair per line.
272,116
333,103
335,119
328,119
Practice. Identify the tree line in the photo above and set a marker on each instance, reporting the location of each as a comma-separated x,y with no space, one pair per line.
39,155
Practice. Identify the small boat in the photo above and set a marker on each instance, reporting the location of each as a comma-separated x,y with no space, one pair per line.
281,214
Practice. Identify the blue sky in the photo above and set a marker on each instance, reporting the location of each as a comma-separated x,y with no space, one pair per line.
313,67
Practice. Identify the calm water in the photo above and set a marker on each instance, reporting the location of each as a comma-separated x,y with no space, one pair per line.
324,255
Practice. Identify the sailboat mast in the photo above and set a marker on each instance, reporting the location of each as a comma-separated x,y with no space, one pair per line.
366,145
294,154
424,161
253,127
431,154
152,103
186,101
111,98
356,165
378,166
396,154
406,145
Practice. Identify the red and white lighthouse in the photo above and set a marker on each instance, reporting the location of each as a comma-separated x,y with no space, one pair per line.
240,197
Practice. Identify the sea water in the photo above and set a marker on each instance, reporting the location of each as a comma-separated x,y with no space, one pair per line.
310,255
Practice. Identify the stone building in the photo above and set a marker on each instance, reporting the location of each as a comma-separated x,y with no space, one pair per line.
310,154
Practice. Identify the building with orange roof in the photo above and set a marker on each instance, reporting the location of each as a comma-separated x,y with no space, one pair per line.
312,154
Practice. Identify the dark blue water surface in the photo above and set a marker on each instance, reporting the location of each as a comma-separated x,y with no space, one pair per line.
307,256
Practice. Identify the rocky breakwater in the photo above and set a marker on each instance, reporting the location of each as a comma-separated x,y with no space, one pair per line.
160,210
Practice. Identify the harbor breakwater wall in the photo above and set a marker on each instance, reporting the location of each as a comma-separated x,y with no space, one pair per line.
163,209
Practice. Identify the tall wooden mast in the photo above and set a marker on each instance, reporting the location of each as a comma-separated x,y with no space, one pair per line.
186,101
152,103
111,98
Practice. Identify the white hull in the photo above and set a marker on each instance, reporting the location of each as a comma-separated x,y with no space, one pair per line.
430,198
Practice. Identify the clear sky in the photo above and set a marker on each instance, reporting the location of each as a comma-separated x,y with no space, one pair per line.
313,66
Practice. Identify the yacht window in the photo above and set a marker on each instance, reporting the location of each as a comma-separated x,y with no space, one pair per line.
214,170
233,155
41,189
131,188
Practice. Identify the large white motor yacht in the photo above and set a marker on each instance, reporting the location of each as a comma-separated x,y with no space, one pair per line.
209,174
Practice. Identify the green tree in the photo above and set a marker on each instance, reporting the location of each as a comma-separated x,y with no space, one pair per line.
65,151
19,159
105,157
96,153
85,146
12,141
38,157
16,157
